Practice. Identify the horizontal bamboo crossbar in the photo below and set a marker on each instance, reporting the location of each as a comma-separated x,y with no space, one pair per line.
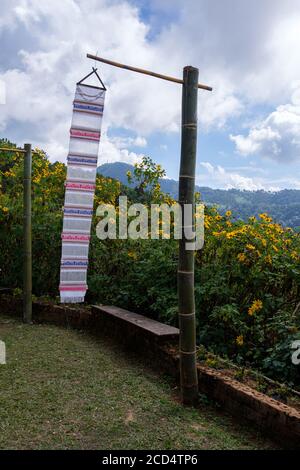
145,72
6,149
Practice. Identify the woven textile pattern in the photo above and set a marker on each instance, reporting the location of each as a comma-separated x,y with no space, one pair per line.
79,191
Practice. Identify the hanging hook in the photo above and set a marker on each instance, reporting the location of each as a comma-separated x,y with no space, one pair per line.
94,70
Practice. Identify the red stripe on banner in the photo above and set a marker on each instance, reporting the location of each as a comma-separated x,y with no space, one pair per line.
82,134
73,288
74,237
79,187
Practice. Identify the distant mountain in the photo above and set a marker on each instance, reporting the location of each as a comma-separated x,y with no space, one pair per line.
283,206
116,170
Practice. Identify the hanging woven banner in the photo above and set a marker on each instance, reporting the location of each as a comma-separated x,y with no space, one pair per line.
80,188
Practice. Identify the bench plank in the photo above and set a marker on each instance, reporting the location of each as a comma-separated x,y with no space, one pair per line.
148,325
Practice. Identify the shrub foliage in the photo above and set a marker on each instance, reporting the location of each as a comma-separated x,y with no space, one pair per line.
246,276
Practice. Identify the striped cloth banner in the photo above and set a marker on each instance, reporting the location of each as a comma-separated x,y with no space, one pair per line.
79,191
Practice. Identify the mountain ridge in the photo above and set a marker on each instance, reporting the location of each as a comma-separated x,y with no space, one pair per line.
283,206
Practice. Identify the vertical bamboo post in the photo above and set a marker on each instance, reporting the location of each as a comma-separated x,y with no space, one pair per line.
27,267
186,297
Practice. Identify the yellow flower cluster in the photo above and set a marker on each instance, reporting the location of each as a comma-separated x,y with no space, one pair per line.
256,306
265,217
268,259
240,340
242,258
132,254
250,247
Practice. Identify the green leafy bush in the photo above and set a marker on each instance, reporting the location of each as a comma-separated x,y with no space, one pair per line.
246,276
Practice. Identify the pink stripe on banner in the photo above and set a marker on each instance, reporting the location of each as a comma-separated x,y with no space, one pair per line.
73,288
81,186
85,134
74,237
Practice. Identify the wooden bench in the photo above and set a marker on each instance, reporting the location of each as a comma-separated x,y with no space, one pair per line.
132,324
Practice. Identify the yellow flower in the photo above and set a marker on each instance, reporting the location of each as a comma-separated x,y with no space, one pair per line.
241,257
132,254
268,259
240,340
5,210
250,247
228,213
265,217
230,235
295,255
256,306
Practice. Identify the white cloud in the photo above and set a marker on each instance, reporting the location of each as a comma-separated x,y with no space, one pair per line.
217,176
246,50
110,152
124,142
277,136
39,95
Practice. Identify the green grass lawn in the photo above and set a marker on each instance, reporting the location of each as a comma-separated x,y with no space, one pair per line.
63,389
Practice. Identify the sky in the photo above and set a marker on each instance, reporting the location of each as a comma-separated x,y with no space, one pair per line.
248,51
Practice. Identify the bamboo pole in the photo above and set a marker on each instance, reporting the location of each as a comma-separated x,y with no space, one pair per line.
143,71
27,269
186,297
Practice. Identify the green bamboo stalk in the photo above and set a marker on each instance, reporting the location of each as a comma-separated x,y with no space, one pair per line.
186,296
27,268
